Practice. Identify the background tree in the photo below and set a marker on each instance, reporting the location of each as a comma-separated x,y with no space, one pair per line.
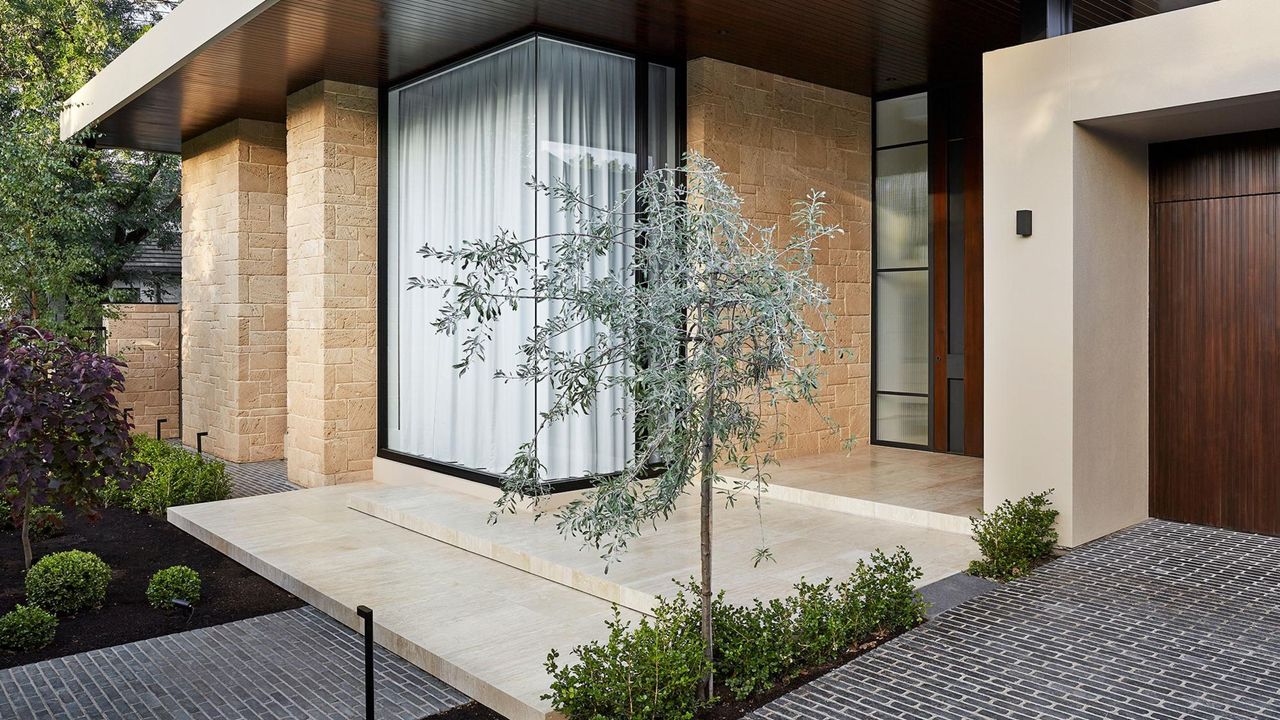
716,336
71,216
62,434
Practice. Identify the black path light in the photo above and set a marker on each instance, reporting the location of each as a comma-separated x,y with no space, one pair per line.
159,422
200,442
366,613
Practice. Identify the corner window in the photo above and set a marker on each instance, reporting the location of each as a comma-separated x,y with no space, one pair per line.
462,145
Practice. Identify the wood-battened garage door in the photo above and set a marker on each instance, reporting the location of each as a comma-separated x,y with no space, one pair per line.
1215,331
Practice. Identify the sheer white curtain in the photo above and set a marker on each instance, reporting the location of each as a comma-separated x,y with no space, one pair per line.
462,146
586,138
463,151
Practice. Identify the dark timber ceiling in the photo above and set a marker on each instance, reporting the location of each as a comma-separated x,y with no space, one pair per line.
865,46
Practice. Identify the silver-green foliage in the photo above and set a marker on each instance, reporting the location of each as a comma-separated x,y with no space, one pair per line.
714,323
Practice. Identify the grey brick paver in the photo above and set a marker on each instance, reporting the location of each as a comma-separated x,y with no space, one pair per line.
1162,620
292,664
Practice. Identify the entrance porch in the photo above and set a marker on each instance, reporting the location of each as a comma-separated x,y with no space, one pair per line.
479,604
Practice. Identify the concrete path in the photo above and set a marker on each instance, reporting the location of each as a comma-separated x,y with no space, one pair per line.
296,664
1161,620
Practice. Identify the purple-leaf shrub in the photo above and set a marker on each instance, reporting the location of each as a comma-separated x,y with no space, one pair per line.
62,433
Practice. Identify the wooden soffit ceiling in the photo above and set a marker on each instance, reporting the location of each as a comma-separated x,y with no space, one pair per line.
212,61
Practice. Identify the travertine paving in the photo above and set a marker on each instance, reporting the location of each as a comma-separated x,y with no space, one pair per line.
297,664
1162,620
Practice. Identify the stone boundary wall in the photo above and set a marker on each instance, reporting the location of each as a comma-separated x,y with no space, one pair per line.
146,337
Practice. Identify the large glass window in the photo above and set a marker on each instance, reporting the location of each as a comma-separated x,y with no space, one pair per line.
462,146
901,342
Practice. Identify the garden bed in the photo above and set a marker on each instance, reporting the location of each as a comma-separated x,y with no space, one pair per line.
726,710
135,546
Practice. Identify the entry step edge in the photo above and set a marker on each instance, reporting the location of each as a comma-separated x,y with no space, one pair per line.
369,503
861,507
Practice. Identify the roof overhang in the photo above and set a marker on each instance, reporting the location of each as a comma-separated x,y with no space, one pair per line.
157,55
213,61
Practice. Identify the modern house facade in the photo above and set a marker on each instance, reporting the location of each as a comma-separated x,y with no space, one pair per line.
325,141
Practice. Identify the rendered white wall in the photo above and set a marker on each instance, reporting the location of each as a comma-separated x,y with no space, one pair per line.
1066,125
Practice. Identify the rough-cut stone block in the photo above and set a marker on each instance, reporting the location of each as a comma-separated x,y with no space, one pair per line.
233,288
777,138
332,174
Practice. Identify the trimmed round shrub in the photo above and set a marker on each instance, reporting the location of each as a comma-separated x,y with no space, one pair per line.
26,627
173,583
67,582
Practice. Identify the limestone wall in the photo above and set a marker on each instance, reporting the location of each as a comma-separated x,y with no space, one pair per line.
777,138
332,283
146,337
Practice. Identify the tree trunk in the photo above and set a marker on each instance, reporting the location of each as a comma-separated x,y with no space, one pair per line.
708,477
26,536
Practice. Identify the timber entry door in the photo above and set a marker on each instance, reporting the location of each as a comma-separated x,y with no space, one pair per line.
1215,331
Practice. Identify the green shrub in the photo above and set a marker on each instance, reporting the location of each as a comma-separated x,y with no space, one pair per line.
760,645
26,627
175,477
45,522
67,582
885,588
112,495
650,671
753,645
1014,536
173,583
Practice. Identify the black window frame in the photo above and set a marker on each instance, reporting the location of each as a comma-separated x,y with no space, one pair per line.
642,64
875,271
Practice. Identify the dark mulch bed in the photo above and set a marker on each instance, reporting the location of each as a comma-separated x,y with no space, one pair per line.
135,546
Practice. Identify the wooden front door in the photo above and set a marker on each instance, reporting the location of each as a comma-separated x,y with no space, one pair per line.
1215,331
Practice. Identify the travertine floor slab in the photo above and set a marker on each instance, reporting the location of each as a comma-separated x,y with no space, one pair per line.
485,626
935,490
481,626
805,542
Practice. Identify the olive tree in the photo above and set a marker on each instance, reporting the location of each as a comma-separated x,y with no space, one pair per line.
714,324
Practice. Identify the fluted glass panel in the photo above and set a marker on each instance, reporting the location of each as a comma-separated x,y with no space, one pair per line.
902,332
902,419
902,207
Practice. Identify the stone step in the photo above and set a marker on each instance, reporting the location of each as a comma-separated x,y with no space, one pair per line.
833,502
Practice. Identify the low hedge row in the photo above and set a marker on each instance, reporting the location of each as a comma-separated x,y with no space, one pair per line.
175,477
652,669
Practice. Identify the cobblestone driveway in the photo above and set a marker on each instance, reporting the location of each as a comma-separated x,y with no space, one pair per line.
296,664
1161,620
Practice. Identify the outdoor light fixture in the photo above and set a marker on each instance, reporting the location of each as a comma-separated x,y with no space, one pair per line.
184,605
1024,223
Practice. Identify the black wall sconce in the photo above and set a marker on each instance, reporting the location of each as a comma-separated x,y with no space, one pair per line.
1024,223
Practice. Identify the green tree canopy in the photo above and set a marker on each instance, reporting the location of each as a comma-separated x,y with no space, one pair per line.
71,216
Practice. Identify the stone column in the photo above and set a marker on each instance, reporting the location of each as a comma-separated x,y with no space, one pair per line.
332,271
776,139
233,290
